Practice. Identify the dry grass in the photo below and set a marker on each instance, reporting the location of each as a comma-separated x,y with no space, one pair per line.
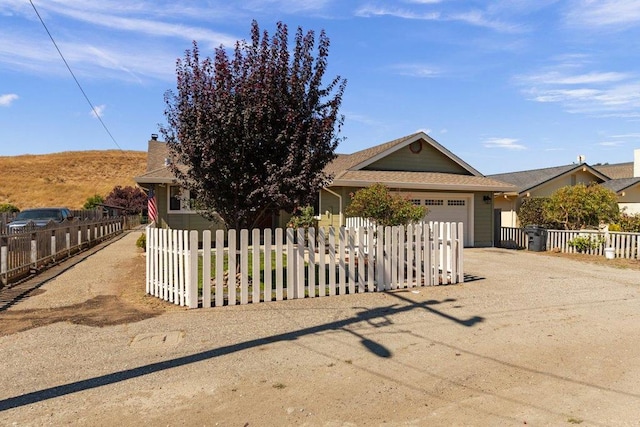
68,178
633,264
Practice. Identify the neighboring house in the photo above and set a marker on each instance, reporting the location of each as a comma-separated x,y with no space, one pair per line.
543,182
414,166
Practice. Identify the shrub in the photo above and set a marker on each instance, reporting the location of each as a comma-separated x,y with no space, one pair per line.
378,204
303,218
585,243
629,223
93,202
142,241
8,207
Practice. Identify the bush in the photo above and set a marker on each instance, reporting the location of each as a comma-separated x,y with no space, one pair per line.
585,243
378,204
8,207
303,218
629,223
93,202
532,212
142,241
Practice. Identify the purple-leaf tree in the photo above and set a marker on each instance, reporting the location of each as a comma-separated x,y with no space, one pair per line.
131,199
250,134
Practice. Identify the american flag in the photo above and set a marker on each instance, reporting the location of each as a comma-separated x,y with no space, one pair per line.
152,206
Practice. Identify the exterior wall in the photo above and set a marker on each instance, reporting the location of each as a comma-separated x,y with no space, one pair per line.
427,160
182,220
330,209
482,220
630,202
579,177
508,217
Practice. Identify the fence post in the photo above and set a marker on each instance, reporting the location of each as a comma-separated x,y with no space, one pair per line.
4,261
34,250
192,284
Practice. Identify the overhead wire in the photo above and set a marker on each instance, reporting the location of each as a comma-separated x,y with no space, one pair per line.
93,109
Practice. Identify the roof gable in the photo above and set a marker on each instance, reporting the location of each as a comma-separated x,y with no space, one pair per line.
367,159
528,180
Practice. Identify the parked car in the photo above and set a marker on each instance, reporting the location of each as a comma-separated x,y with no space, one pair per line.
38,217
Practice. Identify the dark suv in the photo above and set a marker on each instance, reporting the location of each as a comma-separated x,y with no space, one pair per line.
39,217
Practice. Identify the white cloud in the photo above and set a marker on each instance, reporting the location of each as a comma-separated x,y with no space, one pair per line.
98,110
578,90
7,99
416,70
614,14
611,143
476,17
503,143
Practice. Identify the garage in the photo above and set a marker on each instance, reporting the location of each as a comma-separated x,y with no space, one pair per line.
449,208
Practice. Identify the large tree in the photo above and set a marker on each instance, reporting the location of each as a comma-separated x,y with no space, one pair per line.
251,133
131,199
582,206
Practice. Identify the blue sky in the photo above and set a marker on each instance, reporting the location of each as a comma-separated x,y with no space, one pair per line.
506,85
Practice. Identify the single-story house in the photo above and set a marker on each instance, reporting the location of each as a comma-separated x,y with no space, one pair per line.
623,178
414,166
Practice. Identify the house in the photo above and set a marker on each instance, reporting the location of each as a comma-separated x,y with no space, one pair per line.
543,182
414,166
419,168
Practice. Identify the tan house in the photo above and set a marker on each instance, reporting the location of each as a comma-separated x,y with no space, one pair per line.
415,166
620,178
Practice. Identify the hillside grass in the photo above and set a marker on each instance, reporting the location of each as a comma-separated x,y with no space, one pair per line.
67,178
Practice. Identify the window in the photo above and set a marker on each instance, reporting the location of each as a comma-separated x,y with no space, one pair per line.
179,200
416,202
456,202
434,202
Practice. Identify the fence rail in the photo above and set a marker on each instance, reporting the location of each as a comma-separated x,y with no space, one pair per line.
267,265
25,252
624,245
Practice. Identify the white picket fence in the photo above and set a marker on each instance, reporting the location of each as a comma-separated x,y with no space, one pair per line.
625,245
294,263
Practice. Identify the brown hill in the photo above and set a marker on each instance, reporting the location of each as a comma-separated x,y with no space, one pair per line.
68,178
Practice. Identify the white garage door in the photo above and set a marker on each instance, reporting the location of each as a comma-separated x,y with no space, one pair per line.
448,209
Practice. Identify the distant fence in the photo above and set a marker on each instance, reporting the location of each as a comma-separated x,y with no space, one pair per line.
624,245
35,249
513,238
294,263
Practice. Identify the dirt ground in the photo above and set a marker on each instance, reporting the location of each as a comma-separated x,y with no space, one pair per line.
528,339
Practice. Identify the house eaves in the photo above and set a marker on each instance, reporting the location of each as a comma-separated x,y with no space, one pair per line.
421,181
161,175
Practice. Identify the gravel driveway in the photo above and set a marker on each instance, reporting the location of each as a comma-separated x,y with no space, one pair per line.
527,339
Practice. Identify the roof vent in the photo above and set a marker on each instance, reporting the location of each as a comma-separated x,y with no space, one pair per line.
154,136
581,159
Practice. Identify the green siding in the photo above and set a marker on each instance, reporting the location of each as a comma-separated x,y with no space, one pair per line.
427,160
483,221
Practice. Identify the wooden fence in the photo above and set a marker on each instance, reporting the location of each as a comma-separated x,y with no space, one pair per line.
30,251
624,245
294,263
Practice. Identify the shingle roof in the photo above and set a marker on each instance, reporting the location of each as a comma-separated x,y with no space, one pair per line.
621,184
616,170
526,180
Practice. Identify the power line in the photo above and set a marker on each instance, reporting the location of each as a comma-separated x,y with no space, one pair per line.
74,77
